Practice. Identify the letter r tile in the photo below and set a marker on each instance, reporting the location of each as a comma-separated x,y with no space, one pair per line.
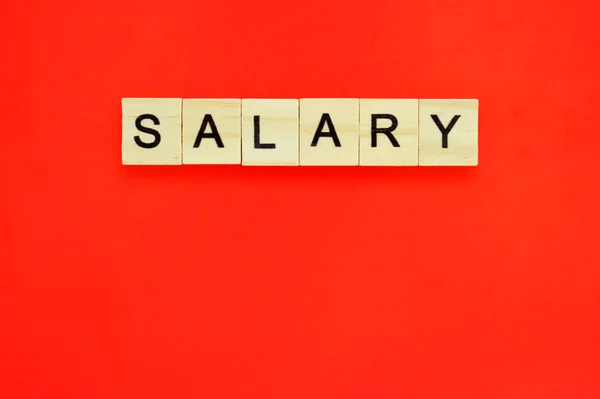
389,132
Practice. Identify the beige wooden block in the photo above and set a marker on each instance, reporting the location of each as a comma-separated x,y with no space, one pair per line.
270,132
212,131
448,132
329,131
151,131
389,132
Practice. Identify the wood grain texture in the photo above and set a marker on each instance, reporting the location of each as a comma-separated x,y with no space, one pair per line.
168,114
344,116
224,115
462,141
278,127
406,133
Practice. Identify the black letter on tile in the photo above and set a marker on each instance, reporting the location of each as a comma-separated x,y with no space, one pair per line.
138,126
445,130
385,130
331,133
208,120
257,143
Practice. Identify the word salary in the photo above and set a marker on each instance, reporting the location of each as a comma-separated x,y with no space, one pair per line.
314,131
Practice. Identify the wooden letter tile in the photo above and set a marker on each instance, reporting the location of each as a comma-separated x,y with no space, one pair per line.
212,131
151,131
329,131
448,132
270,132
389,132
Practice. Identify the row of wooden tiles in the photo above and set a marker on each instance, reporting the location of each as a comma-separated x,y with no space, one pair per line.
320,131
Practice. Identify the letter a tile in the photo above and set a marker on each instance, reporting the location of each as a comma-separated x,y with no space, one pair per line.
212,131
448,132
329,131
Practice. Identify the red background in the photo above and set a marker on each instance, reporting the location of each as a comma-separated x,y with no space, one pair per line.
332,282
